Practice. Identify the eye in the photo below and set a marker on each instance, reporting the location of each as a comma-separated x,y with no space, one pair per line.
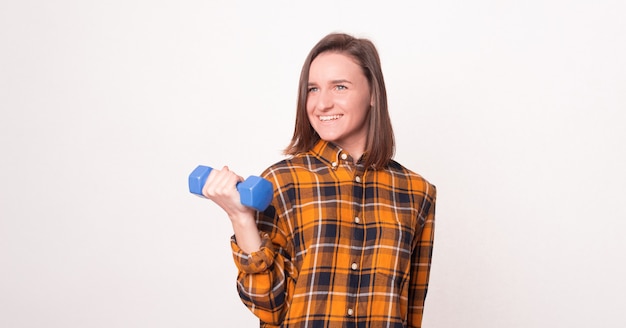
341,87
312,89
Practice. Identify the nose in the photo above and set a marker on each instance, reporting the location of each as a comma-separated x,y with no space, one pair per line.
323,100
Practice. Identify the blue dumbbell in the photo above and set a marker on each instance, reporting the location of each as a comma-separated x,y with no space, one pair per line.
254,192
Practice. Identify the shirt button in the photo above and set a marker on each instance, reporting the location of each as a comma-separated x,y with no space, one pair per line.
350,311
357,220
354,266
358,179
344,156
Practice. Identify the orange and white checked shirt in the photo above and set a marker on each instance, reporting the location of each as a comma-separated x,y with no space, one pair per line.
343,245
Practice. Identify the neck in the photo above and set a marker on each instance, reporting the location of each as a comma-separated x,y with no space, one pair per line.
355,152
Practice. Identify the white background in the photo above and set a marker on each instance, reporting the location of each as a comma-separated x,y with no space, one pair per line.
516,110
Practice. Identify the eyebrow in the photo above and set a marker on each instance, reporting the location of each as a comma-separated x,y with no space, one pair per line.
339,81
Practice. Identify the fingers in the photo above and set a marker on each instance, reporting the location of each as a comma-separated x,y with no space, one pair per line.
239,177
221,188
221,185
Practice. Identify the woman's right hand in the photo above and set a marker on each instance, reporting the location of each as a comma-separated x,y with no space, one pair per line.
221,188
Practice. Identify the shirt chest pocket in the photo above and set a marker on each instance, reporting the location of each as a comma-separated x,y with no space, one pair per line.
389,238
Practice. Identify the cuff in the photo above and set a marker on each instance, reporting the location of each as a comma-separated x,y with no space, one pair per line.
254,262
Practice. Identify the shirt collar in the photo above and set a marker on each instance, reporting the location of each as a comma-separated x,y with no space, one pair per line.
330,153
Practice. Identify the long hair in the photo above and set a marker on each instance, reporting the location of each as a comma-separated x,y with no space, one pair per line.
380,144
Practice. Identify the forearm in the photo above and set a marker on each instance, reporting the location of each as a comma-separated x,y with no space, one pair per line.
246,232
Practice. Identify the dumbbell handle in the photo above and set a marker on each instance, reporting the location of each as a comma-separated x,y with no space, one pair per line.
254,192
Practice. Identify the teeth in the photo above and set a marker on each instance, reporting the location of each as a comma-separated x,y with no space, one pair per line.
329,117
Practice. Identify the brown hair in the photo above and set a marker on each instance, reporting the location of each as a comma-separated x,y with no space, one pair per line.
380,144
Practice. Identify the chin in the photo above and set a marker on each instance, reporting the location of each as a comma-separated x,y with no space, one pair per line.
328,137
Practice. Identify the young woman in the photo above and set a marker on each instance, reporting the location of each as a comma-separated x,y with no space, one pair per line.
348,238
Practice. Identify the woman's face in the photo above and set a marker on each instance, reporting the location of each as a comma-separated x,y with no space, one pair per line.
338,101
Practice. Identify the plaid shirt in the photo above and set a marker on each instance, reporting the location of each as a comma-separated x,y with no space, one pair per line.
342,245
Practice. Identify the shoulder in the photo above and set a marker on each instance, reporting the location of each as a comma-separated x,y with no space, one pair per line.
415,181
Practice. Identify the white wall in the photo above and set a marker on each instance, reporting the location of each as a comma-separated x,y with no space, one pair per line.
514,109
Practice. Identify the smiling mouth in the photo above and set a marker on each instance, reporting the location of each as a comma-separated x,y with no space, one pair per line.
327,118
